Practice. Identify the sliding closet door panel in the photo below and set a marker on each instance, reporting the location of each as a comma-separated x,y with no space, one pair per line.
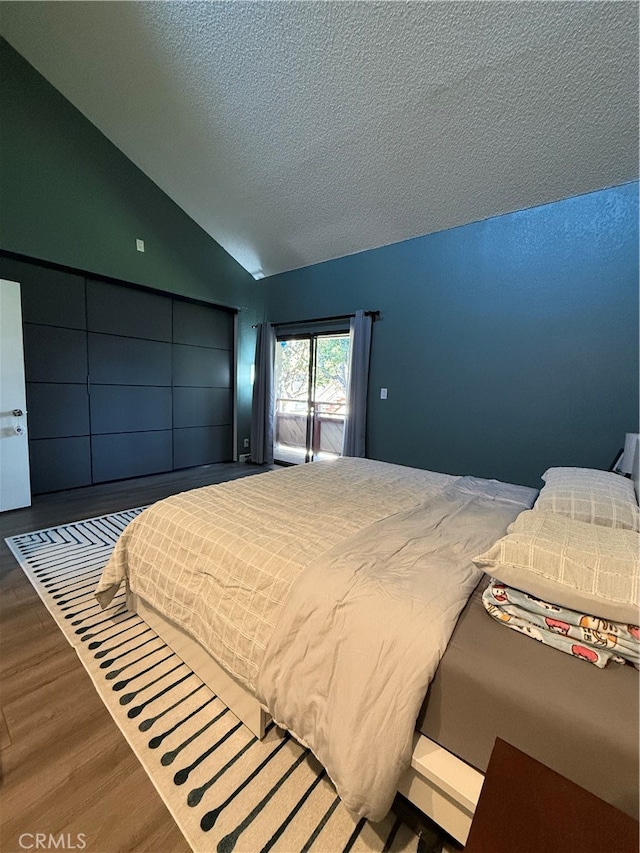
197,407
130,333
202,385
199,366
48,296
52,354
59,463
130,454
57,410
122,408
202,326
55,353
125,311
128,361
201,446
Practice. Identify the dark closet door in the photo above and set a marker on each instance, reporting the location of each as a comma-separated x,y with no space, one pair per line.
202,384
161,382
55,351
121,382
129,344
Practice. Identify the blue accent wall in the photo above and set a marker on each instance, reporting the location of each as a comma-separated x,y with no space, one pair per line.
507,345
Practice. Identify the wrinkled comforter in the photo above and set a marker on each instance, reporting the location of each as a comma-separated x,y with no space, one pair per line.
363,630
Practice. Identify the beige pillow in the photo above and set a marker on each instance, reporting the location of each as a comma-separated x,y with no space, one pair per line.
585,494
582,566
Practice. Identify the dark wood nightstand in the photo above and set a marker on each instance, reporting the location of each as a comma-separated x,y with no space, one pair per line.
525,807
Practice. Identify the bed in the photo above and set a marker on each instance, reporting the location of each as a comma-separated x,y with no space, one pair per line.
272,535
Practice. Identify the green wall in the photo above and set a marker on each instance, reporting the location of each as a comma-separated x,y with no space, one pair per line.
507,346
69,196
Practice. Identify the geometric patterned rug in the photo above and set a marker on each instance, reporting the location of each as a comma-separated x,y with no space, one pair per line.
226,790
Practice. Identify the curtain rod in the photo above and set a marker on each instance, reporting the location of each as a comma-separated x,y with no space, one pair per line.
373,314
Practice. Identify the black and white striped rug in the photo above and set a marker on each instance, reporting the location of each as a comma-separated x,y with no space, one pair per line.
227,790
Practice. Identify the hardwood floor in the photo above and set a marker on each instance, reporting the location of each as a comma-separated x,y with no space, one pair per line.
65,767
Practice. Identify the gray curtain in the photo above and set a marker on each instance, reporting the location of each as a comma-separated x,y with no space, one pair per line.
262,408
353,441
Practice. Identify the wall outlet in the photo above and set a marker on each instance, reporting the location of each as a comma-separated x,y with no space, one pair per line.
140,245
383,393
246,442
244,457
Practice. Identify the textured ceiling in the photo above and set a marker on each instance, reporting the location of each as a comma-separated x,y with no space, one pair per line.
295,132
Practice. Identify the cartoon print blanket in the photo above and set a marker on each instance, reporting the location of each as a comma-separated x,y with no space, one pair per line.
580,634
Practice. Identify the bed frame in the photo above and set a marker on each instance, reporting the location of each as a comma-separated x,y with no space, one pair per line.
442,786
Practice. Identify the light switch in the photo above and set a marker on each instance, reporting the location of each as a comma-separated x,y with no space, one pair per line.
383,393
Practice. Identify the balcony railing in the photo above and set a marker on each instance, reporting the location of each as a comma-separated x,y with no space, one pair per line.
291,430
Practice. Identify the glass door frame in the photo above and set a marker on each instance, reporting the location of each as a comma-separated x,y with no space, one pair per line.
312,337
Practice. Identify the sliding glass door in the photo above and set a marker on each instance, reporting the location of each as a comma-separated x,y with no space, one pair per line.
311,374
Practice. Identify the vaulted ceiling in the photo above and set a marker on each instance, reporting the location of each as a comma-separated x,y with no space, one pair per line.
296,132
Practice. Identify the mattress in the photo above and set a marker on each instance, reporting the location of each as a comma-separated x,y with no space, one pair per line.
577,719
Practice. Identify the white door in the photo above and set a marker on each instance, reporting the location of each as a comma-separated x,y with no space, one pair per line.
15,487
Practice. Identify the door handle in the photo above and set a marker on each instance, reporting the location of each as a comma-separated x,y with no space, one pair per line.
18,413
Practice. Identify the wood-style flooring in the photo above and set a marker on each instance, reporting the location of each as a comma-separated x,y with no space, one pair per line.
66,770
